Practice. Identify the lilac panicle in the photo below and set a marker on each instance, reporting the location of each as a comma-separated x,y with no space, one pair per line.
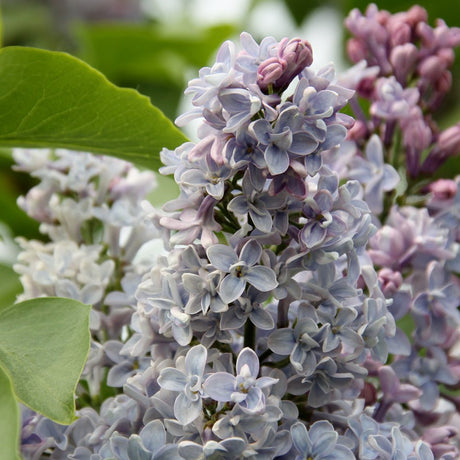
270,326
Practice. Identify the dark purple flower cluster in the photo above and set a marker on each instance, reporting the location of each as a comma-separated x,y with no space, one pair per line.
307,306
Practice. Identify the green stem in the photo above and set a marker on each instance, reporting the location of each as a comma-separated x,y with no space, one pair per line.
279,364
249,335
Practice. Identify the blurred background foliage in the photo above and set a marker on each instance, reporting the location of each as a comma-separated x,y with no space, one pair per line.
156,46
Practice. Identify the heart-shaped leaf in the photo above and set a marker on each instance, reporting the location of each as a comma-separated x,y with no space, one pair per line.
9,420
44,344
52,99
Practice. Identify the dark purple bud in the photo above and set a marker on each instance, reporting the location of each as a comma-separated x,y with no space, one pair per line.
277,72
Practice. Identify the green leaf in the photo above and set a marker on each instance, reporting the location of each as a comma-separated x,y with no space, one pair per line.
52,99
10,286
148,52
44,344
300,9
9,420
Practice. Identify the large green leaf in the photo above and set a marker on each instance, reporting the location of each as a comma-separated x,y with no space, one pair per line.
9,420
10,286
148,52
52,99
44,344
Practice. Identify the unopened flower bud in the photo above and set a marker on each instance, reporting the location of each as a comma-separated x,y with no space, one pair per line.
390,281
448,145
403,59
449,140
444,82
443,189
415,15
431,68
400,33
356,50
277,72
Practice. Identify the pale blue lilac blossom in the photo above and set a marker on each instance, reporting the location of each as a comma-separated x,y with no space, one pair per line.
319,442
245,388
188,383
377,176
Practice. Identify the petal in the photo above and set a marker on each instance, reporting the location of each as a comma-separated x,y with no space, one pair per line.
391,178
277,159
136,451
323,436
153,435
335,135
262,221
221,256
261,129
254,401
220,386
313,235
186,410
172,379
303,144
195,361
262,319
282,341
264,382
251,252
262,278
231,288
238,205
301,439
324,200
374,151
248,357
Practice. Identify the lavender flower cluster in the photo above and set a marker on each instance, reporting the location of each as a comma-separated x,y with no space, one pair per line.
307,305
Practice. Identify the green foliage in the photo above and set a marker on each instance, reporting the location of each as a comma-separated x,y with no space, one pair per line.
124,51
9,420
51,99
13,184
10,286
300,9
44,344
151,58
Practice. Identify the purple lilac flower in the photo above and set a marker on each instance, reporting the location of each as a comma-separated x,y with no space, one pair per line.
240,270
228,449
283,140
319,442
188,382
377,176
245,389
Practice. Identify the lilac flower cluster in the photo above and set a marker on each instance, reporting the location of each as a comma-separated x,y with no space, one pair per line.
305,307
403,69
